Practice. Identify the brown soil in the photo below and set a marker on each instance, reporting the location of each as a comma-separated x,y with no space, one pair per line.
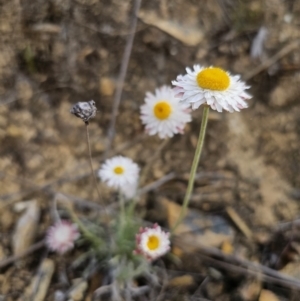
55,53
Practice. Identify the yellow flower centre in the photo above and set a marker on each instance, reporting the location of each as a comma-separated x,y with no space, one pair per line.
162,110
213,79
153,242
118,170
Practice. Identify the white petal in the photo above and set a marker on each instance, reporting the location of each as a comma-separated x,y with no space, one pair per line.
231,99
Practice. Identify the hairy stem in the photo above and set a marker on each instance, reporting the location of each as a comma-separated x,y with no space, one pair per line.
95,240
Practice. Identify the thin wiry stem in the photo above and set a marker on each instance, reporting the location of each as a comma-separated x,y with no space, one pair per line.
194,167
156,184
91,161
93,174
123,71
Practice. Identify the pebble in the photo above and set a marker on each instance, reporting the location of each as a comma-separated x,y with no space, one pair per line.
209,230
25,229
77,293
183,282
37,291
267,295
107,86
186,34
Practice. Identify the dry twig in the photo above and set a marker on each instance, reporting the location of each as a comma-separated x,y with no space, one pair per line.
123,71
239,222
27,252
233,263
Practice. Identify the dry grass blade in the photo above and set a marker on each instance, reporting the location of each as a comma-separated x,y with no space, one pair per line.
279,279
233,263
269,62
158,183
239,222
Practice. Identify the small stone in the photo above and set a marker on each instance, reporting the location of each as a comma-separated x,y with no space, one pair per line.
250,290
107,86
177,251
38,288
267,295
59,296
262,237
77,292
182,282
227,247
201,53
292,269
14,131
185,33
26,227
207,230
157,170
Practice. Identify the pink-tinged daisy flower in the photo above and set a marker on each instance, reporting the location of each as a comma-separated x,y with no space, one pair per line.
163,114
60,237
212,86
119,172
152,243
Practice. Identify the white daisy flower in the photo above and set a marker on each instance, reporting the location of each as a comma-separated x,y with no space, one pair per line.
212,86
119,172
61,236
152,242
163,114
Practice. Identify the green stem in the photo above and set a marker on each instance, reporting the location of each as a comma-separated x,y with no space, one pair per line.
122,208
193,168
95,240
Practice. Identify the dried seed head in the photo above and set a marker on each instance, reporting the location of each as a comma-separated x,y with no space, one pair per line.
84,110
